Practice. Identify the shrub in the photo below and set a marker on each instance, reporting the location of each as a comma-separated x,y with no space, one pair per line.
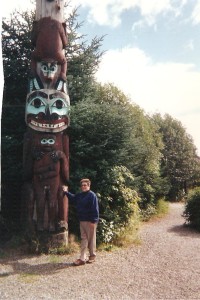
148,212
159,209
118,204
162,207
192,208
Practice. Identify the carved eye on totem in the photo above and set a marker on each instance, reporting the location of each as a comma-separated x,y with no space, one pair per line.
37,103
54,68
59,104
44,68
47,141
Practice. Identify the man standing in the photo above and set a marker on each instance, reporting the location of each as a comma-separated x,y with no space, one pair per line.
88,214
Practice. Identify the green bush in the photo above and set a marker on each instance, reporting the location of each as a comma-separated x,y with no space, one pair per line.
147,213
158,210
118,204
192,208
162,207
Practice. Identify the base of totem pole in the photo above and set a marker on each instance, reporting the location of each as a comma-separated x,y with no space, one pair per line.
57,240
47,242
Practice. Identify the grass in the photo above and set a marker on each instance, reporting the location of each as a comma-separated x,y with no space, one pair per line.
126,237
162,208
54,259
29,277
72,247
153,211
129,235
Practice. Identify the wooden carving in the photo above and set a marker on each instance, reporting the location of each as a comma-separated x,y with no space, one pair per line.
46,169
46,143
49,39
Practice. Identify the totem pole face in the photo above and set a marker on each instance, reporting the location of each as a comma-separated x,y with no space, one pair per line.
48,70
47,110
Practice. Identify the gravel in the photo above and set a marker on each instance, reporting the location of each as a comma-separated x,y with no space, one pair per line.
166,265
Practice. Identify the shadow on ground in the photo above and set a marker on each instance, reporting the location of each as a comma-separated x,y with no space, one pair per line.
45,266
184,230
40,269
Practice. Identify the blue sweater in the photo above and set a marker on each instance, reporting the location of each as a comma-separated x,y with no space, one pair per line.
86,205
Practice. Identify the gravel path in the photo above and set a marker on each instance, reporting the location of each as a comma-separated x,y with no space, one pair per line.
165,266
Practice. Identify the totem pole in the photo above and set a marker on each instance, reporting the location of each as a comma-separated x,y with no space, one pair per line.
46,145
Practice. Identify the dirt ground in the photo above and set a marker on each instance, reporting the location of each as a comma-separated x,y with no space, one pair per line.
166,265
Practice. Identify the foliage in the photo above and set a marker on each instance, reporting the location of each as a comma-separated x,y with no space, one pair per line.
162,207
108,130
118,204
16,49
97,136
154,210
180,164
192,208
128,234
13,128
148,212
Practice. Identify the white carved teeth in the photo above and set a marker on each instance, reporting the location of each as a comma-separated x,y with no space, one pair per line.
47,125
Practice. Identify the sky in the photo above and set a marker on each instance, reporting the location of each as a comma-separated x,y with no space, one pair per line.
152,52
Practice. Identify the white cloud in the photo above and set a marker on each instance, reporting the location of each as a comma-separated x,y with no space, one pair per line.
156,87
148,21
196,13
11,5
189,45
108,12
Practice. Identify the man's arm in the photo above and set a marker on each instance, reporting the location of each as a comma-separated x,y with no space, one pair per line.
94,209
69,195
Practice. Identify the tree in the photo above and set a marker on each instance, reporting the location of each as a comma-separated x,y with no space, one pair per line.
107,131
180,163
16,49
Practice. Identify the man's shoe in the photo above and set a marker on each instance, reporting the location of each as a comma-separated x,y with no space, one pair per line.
78,262
91,259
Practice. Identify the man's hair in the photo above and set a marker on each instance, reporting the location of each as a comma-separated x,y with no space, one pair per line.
86,180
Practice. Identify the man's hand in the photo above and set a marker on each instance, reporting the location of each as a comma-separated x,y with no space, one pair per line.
65,188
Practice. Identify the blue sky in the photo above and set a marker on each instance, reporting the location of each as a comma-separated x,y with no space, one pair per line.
152,52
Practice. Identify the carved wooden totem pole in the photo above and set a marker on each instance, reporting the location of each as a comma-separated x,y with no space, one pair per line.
46,146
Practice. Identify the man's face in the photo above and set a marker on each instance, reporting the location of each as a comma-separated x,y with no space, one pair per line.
85,186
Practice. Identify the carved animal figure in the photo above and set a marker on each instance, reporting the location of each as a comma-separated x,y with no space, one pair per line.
49,39
48,169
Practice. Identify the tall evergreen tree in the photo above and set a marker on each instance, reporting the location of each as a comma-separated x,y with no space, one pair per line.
107,131
180,163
